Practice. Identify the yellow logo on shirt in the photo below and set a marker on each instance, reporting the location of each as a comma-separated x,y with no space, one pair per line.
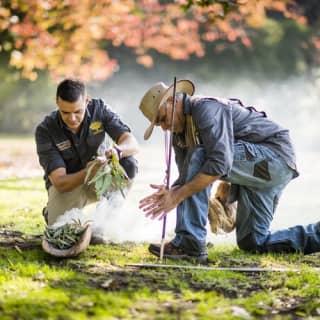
96,127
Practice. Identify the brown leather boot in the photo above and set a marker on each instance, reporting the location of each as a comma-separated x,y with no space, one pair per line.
176,253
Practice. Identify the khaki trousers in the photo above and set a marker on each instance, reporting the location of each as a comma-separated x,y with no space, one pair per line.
60,202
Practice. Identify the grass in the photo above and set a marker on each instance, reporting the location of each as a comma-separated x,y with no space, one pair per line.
21,201
99,285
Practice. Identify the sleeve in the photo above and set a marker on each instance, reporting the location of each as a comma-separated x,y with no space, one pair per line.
49,156
113,125
214,122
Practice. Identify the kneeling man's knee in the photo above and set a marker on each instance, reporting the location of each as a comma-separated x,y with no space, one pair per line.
249,243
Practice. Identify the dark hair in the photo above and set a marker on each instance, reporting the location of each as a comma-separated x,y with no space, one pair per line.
70,90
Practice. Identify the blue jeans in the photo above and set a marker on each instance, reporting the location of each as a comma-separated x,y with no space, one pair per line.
258,177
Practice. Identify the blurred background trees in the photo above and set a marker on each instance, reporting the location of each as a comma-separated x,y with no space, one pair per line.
43,41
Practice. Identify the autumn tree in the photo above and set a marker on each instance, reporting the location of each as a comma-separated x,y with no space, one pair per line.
74,38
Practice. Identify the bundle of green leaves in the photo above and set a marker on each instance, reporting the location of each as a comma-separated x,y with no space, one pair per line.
67,235
109,177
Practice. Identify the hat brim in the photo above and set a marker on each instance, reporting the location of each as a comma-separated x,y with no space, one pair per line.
182,86
148,132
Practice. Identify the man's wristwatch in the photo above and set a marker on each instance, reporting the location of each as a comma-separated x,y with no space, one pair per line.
119,152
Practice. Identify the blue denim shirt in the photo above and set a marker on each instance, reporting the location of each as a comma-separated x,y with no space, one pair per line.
221,122
58,146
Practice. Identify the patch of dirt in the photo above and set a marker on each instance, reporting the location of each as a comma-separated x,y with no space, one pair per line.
234,289
19,240
311,260
175,281
115,278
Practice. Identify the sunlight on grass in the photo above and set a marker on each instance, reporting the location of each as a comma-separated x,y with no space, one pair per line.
21,203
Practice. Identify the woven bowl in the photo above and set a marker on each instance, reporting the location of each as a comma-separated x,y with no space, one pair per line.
75,250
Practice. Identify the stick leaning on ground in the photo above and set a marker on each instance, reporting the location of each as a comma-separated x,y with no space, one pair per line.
168,166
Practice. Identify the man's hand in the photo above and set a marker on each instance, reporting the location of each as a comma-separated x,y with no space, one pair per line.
112,151
159,203
96,163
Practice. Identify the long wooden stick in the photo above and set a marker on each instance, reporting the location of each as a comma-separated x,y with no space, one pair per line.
235,269
168,166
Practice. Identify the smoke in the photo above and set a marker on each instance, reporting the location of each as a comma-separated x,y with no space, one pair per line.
115,219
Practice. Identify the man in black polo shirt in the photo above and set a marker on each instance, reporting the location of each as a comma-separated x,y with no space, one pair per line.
68,140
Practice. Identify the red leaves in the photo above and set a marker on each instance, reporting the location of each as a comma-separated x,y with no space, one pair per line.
65,37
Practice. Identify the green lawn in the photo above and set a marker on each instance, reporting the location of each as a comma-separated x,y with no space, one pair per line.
99,285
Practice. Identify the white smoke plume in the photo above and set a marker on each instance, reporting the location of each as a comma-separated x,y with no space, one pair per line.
116,220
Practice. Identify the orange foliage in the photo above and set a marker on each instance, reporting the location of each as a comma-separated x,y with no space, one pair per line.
70,37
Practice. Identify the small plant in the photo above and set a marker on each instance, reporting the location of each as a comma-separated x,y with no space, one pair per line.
109,177
67,235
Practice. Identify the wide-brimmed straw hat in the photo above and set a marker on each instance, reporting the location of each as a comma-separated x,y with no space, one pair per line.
156,96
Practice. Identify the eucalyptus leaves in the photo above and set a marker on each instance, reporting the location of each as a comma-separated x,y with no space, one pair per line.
110,176
67,235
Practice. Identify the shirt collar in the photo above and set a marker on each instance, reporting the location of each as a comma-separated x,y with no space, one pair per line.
187,104
85,121
87,116
59,119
